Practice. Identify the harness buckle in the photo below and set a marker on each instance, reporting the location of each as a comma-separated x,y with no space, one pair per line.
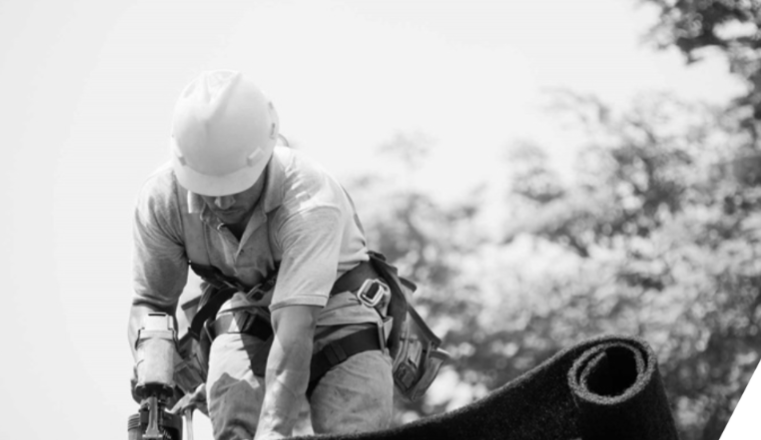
372,292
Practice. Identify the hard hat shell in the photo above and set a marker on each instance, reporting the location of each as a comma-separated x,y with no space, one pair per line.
224,130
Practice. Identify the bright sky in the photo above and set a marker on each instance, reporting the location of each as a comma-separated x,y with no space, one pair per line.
87,92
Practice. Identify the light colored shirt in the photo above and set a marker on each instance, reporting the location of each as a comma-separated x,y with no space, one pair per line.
304,220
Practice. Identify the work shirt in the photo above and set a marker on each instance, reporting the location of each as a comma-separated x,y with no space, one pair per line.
304,220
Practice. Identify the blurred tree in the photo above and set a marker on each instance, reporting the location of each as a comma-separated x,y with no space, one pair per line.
730,27
672,244
649,238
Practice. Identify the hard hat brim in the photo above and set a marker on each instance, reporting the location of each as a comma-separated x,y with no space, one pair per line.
223,185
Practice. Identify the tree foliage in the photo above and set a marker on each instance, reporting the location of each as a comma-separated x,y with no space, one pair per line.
652,237
678,235
730,27
655,235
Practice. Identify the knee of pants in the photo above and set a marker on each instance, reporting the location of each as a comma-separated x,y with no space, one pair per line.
235,353
355,396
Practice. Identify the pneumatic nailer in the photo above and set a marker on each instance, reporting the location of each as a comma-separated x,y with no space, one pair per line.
155,348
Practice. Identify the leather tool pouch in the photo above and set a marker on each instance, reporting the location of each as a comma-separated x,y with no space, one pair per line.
414,348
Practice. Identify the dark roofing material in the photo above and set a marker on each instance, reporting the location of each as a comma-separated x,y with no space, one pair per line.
608,387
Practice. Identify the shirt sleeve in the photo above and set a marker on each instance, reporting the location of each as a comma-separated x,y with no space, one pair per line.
311,242
159,262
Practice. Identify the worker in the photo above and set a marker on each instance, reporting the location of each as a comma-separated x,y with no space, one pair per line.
277,238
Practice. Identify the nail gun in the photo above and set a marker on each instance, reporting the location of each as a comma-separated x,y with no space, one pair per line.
155,346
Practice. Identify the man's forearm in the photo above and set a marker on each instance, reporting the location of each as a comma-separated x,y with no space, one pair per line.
287,374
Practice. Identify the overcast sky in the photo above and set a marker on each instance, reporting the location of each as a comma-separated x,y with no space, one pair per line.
86,94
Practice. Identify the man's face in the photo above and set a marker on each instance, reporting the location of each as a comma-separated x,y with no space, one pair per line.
235,208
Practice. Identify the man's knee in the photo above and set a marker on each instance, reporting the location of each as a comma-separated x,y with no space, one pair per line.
355,396
234,404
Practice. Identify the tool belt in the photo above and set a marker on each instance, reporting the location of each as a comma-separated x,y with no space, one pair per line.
412,345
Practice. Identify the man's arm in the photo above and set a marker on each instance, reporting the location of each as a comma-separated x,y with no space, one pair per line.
159,263
311,242
287,374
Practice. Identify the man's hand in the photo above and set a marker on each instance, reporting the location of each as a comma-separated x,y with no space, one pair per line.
287,373
192,400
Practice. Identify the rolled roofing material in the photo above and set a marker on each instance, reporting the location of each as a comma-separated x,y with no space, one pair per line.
608,387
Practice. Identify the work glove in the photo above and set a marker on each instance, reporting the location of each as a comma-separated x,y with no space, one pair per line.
193,400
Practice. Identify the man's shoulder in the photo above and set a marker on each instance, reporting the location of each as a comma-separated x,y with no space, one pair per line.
295,162
160,189
306,184
301,170
161,180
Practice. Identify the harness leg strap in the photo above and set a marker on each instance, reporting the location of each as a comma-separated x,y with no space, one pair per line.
340,350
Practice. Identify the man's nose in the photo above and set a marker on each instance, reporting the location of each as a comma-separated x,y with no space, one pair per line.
224,202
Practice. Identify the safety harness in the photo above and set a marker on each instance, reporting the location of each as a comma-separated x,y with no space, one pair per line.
413,347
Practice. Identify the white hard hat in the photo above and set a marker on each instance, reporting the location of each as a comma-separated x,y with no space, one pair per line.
223,133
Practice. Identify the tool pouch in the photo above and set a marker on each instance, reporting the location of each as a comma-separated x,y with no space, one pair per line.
412,345
419,357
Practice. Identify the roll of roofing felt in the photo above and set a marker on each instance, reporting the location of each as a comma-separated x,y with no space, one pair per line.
619,394
603,388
